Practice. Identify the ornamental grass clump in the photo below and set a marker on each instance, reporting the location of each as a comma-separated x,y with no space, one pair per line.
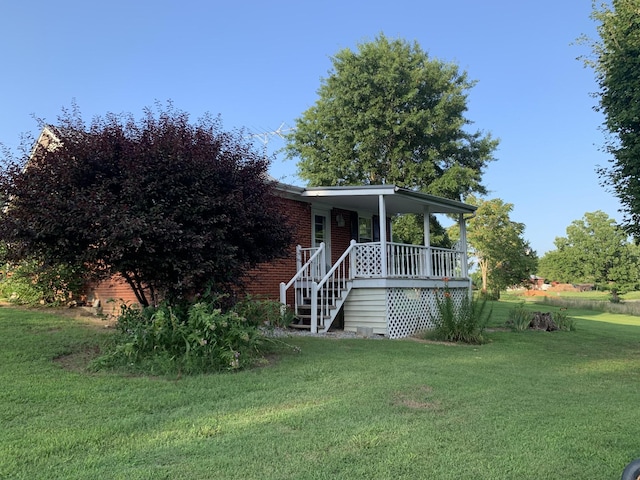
197,338
519,318
463,321
564,322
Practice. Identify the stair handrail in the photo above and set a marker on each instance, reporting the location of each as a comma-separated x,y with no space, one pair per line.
320,292
299,275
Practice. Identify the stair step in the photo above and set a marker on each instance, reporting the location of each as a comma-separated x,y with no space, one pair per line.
307,308
330,296
300,326
304,317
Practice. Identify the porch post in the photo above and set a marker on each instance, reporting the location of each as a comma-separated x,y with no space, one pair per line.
314,307
463,246
383,235
427,241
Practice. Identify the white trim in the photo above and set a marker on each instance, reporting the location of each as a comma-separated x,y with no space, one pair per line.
426,225
434,283
383,234
368,190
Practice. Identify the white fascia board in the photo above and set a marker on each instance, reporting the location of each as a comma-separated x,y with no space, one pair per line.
366,190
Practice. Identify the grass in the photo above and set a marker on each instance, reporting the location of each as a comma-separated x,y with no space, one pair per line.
527,405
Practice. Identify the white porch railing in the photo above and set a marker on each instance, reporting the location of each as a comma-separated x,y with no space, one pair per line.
328,295
311,267
408,261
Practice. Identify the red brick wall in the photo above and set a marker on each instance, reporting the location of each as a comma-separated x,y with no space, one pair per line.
265,278
340,236
111,294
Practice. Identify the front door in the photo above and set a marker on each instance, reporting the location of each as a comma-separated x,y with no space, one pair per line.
321,232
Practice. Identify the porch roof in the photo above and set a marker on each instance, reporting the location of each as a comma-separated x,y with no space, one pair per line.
366,197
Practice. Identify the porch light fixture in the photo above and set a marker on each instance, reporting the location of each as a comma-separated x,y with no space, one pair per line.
340,220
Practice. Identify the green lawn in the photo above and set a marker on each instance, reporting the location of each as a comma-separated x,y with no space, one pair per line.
528,405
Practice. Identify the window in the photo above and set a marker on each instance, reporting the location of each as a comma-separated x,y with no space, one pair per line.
319,230
365,229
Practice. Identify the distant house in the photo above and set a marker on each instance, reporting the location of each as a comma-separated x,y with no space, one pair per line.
536,283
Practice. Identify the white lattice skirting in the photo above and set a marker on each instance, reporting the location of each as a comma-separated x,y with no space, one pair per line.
410,310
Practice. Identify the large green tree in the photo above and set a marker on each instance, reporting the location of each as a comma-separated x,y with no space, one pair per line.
174,207
503,256
388,113
595,250
617,67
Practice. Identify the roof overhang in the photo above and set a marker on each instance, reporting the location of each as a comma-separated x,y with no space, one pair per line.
366,199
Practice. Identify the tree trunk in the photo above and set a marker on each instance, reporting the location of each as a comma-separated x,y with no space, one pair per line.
484,272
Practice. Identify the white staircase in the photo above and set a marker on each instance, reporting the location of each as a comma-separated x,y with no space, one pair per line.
318,295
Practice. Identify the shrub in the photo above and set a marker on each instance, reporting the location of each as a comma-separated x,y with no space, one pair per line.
32,282
182,204
564,322
519,318
464,322
264,312
193,339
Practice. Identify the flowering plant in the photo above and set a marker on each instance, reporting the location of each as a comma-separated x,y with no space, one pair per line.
459,321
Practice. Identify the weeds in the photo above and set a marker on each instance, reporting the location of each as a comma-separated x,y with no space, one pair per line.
193,339
264,312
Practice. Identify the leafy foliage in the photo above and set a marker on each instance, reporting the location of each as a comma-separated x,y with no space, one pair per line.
390,114
595,250
171,206
193,337
409,228
519,317
459,322
564,321
504,257
617,67
264,312
201,338
34,282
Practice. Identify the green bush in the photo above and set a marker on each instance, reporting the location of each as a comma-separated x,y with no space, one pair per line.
464,322
564,322
261,311
33,282
519,318
197,338
20,290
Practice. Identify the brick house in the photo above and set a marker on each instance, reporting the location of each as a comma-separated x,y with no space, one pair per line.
343,268
344,271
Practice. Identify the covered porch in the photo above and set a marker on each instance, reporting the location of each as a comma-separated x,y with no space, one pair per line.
386,287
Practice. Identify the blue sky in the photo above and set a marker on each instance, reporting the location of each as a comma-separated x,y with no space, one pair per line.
259,65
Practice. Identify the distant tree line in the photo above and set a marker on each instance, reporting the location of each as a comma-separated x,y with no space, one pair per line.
595,250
